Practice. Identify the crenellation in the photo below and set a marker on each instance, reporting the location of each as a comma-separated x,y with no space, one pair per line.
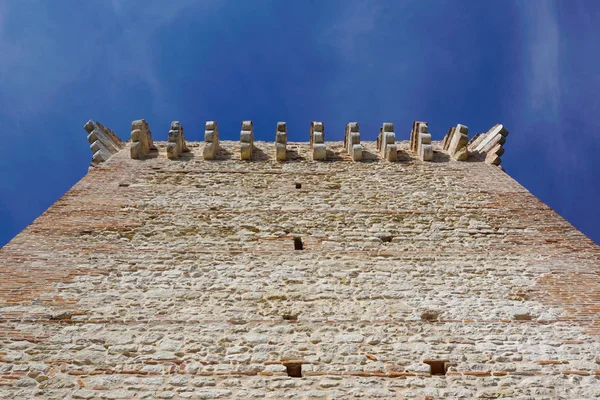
281,141
489,146
484,147
317,141
420,141
455,142
352,141
246,140
141,140
103,142
211,140
176,141
386,142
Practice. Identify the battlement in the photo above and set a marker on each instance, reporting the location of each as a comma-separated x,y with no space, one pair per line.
483,147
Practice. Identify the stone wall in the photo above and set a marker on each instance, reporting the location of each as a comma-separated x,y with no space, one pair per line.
160,278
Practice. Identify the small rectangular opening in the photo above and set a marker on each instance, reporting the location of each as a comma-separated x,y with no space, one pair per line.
298,186
438,367
298,245
294,370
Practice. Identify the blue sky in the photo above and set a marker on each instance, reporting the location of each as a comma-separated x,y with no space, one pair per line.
531,65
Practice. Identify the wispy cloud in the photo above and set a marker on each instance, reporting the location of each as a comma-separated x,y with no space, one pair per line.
140,24
57,49
542,50
352,27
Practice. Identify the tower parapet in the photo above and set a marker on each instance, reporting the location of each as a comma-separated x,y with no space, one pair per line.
455,142
352,141
177,143
281,141
317,141
386,142
489,146
211,140
420,141
103,142
141,138
247,140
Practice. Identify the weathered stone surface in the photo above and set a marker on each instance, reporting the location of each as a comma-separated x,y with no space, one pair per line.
455,142
420,141
317,141
281,141
211,140
103,142
489,146
176,144
185,281
141,140
246,140
352,141
386,142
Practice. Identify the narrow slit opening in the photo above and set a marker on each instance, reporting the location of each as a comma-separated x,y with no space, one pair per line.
294,370
298,245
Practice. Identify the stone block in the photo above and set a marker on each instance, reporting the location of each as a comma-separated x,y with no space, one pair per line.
210,150
356,152
103,142
319,152
247,140
280,151
386,139
281,141
317,141
246,151
420,141
209,136
211,140
391,153
352,141
455,142
141,139
177,144
246,137
489,146
318,138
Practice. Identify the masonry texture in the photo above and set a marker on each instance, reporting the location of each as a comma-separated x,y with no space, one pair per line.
177,278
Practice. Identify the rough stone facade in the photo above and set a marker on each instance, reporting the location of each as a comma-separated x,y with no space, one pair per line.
157,278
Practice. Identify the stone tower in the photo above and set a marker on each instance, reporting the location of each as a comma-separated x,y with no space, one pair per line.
279,270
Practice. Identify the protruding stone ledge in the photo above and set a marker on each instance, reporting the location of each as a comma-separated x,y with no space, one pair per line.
386,142
103,142
281,141
420,141
211,140
247,140
489,146
176,144
455,142
352,141
317,141
141,139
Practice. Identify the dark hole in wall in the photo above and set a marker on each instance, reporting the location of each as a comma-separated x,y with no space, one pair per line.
438,367
298,186
294,370
298,245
